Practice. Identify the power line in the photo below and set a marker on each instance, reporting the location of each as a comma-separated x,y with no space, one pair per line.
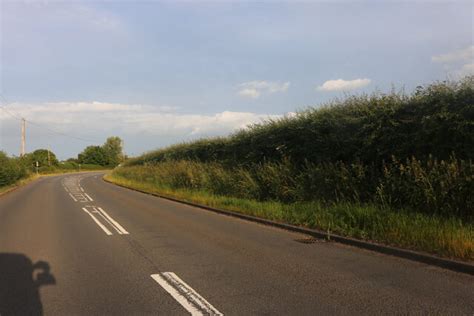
18,117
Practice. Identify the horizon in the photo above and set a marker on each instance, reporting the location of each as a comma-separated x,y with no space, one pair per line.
160,73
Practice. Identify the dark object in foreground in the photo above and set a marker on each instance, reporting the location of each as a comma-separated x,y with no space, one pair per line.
20,280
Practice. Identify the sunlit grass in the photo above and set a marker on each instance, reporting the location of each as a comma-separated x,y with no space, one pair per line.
446,237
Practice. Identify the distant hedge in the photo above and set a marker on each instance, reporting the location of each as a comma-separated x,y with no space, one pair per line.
436,120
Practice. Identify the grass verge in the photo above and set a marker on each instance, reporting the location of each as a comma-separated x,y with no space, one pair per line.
19,183
450,238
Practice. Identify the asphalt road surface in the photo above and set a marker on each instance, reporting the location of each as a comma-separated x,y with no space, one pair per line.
76,245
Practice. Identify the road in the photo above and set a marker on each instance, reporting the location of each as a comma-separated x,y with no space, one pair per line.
76,245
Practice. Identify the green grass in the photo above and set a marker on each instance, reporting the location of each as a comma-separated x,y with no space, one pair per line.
447,237
6,188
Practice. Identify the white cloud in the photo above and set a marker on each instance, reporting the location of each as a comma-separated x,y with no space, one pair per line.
466,70
460,55
254,89
343,85
249,93
458,63
101,119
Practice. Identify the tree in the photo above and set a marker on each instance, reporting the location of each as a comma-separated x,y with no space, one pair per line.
94,155
113,150
44,157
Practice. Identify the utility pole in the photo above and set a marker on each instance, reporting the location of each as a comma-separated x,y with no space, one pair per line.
23,136
123,153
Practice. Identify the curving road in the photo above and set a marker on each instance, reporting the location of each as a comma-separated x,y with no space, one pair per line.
75,245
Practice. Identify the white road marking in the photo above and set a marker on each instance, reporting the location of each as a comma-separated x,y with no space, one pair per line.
105,219
77,193
194,303
98,222
121,229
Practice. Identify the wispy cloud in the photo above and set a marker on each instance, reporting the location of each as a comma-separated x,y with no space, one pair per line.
466,70
343,85
459,63
460,55
254,89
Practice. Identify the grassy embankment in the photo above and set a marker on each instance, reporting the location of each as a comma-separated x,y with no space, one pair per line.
394,169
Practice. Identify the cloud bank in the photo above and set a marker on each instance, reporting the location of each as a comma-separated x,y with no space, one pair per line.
343,85
146,126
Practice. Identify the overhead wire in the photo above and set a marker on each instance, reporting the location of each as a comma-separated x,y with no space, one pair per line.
19,117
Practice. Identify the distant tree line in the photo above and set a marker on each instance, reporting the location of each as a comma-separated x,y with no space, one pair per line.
12,169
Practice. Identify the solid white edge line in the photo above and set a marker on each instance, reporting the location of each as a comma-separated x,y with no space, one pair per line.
113,221
87,196
98,222
191,294
176,295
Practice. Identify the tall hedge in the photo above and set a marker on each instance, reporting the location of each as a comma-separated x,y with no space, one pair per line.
436,120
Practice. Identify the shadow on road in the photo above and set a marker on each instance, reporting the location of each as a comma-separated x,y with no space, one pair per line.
20,280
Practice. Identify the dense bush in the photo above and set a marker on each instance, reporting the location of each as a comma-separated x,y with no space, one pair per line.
436,120
393,150
11,169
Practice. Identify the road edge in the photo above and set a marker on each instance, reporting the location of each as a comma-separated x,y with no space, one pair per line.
23,182
20,184
453,265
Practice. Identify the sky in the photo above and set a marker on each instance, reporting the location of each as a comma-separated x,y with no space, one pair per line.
161,72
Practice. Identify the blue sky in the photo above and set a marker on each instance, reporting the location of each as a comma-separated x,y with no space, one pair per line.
156,73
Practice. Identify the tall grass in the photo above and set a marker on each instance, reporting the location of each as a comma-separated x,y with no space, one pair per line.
446,237
441,188
391,167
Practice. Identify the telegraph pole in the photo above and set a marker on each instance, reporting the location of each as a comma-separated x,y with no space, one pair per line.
123,153
23,136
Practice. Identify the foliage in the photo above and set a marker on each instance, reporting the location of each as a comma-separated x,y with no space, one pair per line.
392,150
44,157
441,188
113,150
11,170
446,237
109,154
93,155
435,120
